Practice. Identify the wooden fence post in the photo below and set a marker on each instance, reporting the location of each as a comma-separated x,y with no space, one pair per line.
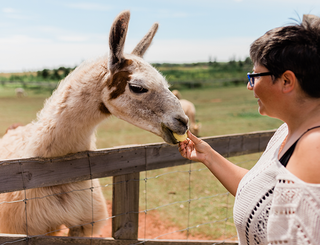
125,206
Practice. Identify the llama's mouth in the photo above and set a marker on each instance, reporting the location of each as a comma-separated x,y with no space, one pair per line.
168,135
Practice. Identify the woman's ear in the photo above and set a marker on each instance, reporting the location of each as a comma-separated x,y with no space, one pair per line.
289,81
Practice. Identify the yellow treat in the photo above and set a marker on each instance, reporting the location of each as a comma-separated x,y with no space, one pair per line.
180,137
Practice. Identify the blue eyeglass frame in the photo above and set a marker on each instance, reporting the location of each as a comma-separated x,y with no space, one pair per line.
251,76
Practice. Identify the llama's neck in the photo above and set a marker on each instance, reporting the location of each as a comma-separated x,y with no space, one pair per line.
68,120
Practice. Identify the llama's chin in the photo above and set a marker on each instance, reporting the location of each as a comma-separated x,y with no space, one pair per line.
167,135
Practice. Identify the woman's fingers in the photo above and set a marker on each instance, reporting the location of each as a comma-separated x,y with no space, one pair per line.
193,138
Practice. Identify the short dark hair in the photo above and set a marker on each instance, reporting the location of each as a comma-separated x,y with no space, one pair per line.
296,48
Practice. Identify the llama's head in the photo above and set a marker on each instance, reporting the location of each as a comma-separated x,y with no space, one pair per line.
135,91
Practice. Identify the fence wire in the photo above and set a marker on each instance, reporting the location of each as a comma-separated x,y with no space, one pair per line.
145,211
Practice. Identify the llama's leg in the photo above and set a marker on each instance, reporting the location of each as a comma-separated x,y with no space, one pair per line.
39,222
78,231
88,225
61,205
57,231
12,215
100,209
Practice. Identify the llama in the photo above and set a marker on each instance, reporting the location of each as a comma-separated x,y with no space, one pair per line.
190,111
123,85
20,92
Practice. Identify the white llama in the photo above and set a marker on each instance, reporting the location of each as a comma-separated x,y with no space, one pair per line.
20,92
123,85
190,111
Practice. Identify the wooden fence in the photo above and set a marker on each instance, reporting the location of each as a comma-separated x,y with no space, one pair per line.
123,164
50,85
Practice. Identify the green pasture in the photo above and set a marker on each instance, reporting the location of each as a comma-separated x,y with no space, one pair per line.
220,110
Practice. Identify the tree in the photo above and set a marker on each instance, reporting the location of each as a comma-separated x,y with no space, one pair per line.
45,73
55,75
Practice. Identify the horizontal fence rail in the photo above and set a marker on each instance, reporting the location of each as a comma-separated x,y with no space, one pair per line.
20,174
99,241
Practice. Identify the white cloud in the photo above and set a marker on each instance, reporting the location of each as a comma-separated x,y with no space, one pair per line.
73,38
167,13
36,56
25,53
21,40
14,14
9,10
184,51
89,6
55,33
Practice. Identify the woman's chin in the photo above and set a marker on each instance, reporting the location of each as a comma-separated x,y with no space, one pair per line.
261,111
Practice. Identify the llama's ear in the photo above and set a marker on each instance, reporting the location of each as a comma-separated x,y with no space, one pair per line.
117,38
310,19
145,42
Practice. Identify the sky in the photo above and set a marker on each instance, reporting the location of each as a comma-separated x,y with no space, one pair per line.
38,34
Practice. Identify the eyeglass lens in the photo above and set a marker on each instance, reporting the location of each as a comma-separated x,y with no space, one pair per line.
251,80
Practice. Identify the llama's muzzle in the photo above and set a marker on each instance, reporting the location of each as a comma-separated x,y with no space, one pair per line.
168,134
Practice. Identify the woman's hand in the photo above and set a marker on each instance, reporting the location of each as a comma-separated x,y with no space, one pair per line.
227,173
195,149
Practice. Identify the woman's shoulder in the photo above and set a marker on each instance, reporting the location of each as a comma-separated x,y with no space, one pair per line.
305,160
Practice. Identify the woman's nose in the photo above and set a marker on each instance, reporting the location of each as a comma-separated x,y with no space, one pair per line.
249,86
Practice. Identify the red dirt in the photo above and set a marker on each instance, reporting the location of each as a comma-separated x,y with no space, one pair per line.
155,228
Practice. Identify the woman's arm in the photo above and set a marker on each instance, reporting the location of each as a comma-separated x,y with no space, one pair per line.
225,171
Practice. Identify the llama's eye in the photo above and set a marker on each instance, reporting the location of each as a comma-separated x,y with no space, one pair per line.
137,89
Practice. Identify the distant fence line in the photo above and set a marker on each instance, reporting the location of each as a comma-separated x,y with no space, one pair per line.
214,82
50,85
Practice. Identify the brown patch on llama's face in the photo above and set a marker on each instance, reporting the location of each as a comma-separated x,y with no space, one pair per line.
104,109
124,64
119,80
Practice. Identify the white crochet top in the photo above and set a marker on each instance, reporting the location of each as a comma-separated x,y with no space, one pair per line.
273,206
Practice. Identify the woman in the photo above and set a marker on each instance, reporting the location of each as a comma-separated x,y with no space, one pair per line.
278,200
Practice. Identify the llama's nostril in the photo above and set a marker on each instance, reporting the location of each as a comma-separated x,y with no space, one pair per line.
183,121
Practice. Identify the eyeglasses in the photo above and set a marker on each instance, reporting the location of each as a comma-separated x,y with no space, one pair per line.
251,76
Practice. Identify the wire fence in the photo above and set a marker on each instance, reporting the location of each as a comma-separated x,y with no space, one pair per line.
144,211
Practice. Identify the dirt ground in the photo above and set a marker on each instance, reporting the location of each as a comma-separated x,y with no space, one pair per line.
155,228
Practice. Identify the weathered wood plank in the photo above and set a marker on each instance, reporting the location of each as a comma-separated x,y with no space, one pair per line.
50,240
125,206
15,239
10,176
39,172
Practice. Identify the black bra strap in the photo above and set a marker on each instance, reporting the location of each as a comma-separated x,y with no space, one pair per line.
287,155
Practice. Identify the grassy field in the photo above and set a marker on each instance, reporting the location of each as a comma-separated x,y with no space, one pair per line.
221,110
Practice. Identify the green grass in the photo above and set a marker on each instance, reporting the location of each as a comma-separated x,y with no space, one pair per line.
221,110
